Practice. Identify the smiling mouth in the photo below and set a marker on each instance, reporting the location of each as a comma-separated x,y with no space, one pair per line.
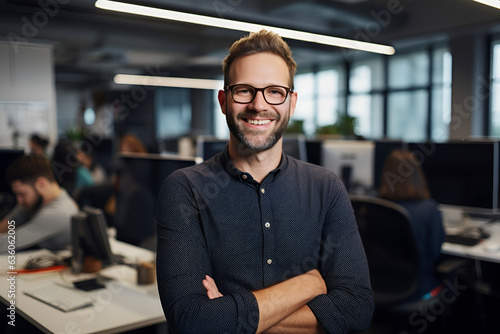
258,122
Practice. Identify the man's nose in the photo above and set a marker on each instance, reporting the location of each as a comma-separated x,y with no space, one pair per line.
259,103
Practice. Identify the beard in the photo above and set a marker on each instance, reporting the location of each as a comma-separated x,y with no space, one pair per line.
37,204
256,145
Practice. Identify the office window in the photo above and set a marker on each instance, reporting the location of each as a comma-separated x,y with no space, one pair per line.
441,95
329,86
495,90
407,115
221,130
319,98
419,90
173,112
305,86
407,102
409,70
366,82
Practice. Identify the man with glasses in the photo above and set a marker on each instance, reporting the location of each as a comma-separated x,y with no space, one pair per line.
253,240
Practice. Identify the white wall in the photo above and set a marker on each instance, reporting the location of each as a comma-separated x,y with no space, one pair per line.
27,92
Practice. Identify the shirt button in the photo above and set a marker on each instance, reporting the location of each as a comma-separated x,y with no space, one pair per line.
267,225
262,190
269,261
244,176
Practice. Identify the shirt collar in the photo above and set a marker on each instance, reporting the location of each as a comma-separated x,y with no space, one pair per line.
243,176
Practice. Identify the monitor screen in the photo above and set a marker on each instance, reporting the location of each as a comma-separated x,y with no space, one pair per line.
7,198
295,146
89,239
314,149
207,147
7,156
352,161
140,181
461,173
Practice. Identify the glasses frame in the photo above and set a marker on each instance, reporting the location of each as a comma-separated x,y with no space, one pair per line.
288,91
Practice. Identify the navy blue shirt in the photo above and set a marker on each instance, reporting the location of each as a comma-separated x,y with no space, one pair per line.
215,219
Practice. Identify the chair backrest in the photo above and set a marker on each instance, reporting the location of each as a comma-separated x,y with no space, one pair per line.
390,248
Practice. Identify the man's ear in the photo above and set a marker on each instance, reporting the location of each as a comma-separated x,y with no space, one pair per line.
40,183
222,100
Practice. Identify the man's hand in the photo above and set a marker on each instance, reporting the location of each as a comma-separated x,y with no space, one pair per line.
282,308
212,291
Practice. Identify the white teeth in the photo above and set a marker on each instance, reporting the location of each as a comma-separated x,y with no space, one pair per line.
259,122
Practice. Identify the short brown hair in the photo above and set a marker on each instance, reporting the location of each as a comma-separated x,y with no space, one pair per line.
403,178
257,42
28,168
133,142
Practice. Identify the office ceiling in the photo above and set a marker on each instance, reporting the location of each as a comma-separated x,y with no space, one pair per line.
91,45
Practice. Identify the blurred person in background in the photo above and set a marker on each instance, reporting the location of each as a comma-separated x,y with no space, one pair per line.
43,214
68,170
404,182
38,144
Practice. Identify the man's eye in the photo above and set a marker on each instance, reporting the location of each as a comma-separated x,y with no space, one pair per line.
276,92
243,91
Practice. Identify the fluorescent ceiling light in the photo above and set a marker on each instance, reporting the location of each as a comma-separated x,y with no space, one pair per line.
493,3
147,80
242,26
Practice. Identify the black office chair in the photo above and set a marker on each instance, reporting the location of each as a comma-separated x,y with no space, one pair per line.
391,251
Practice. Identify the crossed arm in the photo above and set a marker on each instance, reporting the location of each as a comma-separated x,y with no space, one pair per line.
282,307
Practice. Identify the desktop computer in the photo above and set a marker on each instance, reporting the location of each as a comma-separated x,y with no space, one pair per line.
352,161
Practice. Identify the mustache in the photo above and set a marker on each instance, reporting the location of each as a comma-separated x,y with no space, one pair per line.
269,115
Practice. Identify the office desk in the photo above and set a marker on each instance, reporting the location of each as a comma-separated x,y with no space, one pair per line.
122,306
479,251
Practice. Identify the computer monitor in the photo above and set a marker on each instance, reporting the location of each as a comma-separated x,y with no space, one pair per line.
207,147
7,198
464,174
89,239
295,146
7,156
140,181
314,149
352,161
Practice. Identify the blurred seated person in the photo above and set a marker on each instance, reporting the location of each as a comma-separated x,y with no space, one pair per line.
134,221
403,182
89,161
42,217
38,144
68,170
130,143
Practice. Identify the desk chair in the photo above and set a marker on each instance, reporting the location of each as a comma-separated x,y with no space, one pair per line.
393,262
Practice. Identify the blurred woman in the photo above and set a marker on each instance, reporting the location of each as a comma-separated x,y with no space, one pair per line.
403,182
69,171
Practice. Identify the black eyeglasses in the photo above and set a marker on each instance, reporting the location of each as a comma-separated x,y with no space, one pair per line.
272,94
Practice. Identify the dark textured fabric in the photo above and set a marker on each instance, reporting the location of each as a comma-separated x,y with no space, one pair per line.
427,225
214,219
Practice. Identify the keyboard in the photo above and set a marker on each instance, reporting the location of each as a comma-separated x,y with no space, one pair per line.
63,298
461,239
